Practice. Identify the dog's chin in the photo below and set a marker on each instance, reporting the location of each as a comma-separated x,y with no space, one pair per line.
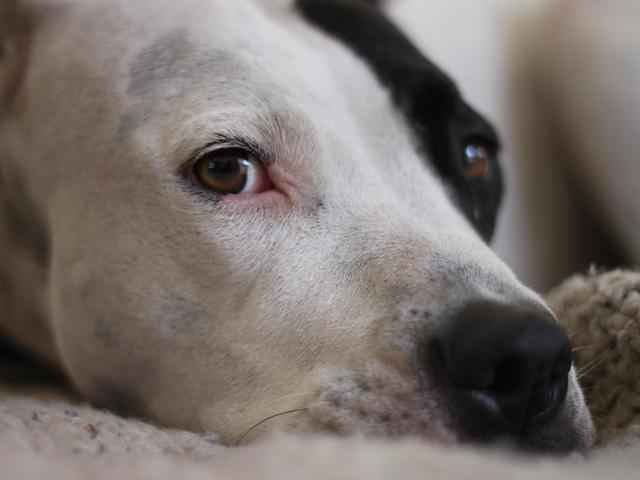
379,401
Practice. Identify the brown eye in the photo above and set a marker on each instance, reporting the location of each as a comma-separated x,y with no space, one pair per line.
477,162
231,171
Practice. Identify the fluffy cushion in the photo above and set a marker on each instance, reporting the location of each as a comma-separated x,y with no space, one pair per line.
602,313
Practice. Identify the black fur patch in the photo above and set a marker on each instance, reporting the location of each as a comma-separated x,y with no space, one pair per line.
442,121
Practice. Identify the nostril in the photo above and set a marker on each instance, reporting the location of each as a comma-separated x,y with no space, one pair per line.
549,391
563,363
545,401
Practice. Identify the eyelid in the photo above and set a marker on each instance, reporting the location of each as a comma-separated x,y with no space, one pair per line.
225,143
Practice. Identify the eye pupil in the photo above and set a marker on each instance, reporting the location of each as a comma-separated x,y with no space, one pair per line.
226,173
225,168
477,161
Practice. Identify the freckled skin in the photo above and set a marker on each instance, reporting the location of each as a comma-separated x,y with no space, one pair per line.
214,314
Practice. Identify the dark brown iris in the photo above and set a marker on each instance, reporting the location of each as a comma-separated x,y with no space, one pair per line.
225,172
477,161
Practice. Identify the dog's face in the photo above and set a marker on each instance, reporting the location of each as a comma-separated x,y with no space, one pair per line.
254,208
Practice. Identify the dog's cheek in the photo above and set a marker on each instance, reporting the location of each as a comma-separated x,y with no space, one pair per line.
99,357
145,348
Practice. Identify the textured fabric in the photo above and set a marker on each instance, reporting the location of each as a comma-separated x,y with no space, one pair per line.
62,427
314,458
602,312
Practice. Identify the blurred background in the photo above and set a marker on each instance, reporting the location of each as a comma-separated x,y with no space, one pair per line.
561,80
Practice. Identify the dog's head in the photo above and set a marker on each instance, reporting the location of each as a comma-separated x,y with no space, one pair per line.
263,207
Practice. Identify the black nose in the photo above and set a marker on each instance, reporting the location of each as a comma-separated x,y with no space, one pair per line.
505,367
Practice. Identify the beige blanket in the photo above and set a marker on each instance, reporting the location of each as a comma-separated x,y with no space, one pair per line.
43,440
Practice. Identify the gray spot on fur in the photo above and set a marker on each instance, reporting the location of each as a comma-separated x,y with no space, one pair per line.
179,317
165,59
105,334
129,122
185,316
168,68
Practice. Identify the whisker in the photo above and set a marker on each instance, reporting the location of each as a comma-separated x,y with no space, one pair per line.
595,359
265,420
582,348
571,334
592,365
292,396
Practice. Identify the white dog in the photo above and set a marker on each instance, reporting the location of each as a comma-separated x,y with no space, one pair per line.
214,212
